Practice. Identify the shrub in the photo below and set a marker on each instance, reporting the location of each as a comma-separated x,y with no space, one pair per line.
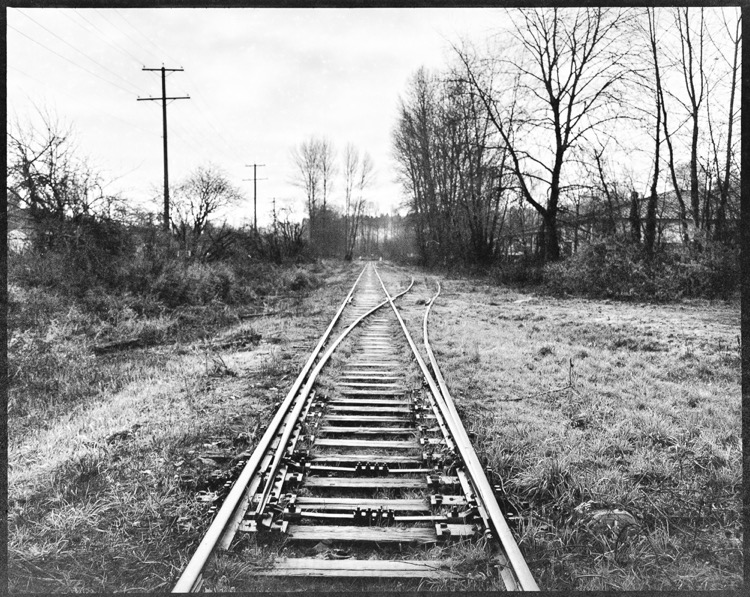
299,279
522,271
711,272
196,284
615,268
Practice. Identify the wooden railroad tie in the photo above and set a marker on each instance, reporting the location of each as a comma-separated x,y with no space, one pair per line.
313,567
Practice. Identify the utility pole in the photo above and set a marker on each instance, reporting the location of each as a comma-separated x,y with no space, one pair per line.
164,99
255,192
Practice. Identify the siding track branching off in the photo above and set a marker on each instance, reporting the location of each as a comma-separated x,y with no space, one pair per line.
374,457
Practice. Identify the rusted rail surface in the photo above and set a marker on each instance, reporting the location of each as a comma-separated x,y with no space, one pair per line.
365,450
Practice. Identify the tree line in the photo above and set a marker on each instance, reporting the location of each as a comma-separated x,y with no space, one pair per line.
529,135
569,127
317,169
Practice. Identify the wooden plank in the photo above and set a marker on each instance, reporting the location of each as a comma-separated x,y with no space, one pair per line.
357,533
368,409
364,375
371,363
370,401
365,457
365,482
363,384
366,430
337,503
377,349
314,567
393,392
376,360
368,419
367,443
351,516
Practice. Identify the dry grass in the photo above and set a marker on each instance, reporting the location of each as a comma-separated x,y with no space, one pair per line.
646,421
114,460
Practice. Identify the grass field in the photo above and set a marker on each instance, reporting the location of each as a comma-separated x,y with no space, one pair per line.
115,459
612,430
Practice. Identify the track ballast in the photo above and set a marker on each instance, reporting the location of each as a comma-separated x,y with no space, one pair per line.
365,457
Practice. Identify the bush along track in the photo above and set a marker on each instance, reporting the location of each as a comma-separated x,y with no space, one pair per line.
610,431
116,455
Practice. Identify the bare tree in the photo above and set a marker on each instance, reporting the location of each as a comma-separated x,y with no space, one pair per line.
483,174
328,170
649,237
315,164
413,149
692,45
562,87
452,168
358,175
723,177
47,176
199,197
306,158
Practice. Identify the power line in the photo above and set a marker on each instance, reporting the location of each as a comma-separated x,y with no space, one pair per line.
232,146
118,13
164,99
128,91
204,115
96,106
188,137
195,96
132,39
101,36
76,49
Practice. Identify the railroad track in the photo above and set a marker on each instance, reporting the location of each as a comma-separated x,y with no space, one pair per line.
365,455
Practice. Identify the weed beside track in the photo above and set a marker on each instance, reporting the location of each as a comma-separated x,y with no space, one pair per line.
116,458
611,431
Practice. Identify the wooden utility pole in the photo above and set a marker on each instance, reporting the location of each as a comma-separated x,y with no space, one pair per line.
164,99
255,192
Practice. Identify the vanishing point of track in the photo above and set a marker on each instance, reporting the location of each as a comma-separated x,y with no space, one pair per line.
366,449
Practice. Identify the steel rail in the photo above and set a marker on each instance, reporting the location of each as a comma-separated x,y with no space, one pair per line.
192,572
474,468
477,476
303,395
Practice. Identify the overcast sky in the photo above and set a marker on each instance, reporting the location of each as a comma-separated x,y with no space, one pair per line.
260,80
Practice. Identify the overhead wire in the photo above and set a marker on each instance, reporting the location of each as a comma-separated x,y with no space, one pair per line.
128,91
76,49
96,30
95,106
231,145
118,13
185,134
196,145
179,131
230,149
